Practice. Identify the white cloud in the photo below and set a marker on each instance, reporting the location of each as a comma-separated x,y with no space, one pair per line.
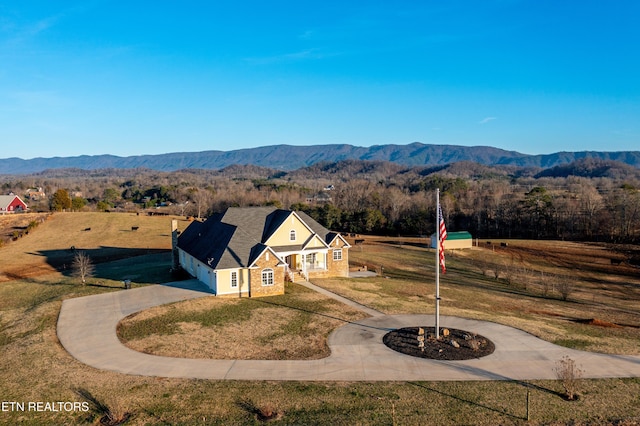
308,54
18,34
487,119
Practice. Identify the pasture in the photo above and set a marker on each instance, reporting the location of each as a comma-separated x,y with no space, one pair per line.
601,313
105,237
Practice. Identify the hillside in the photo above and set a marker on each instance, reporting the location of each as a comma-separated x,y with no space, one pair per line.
592,168
287,157
104,237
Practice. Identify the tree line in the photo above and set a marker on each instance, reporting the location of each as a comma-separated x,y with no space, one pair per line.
593,200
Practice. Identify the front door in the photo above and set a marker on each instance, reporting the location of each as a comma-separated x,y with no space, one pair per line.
291,261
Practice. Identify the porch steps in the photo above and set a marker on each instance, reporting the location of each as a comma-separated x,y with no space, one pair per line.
296,276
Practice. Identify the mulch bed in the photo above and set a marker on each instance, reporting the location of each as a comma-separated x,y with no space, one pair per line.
469,345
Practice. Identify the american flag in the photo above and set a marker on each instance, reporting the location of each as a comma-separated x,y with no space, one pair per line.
443,236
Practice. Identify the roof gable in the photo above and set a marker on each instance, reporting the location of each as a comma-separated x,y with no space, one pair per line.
335,239
314,241
259,250
326,235
280,231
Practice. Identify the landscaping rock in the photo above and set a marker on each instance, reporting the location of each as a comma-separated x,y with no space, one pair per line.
406,340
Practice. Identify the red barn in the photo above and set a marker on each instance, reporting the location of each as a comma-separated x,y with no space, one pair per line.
11,204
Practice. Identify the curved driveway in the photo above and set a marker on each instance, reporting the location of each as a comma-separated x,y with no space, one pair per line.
87,330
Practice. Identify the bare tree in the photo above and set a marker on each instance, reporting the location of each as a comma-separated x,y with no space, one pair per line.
565,287
590,201
203,198
82,266
498,268
546,283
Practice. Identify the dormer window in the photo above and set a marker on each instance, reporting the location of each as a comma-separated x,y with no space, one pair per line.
292,235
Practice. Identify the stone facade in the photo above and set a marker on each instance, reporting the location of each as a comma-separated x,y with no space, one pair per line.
338,267
265,262
335,267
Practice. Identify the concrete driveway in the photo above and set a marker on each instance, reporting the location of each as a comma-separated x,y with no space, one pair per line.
87,330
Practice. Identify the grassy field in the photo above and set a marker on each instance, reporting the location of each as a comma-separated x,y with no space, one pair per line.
104,237
601,313
294,325
35,368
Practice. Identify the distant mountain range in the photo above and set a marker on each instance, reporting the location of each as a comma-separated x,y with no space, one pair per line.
288,157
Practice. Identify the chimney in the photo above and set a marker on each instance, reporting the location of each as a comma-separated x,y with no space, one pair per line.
175,259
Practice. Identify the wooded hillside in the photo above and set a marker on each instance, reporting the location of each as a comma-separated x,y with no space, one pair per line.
586,200
291,157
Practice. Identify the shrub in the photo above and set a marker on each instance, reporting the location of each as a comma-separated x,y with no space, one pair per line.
108,415
262,413
569,374
565,287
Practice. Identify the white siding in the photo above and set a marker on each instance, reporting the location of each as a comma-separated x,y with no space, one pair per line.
199,270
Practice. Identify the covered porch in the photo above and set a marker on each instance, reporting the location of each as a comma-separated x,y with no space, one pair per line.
305,262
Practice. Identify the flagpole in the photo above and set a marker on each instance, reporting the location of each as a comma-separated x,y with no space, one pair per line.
437,263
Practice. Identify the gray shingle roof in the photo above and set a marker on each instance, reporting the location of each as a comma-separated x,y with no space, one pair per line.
326,235
235,238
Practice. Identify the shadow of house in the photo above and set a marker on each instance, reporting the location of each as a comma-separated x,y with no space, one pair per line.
113,263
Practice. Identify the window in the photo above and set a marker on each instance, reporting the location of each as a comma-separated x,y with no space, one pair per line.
267,277
292,235
234,279
311,259
337,254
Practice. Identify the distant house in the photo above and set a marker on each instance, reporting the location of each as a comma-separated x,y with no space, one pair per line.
319,198
455,240
11,204
35,194
251,251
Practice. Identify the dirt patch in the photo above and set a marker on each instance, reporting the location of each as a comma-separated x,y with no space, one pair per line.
544,313
455,346
598,322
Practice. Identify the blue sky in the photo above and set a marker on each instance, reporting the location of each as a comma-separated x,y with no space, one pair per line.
130,78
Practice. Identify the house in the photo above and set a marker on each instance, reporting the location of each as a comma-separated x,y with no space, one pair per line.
319,198
251,251
11,204
455,240
35,194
